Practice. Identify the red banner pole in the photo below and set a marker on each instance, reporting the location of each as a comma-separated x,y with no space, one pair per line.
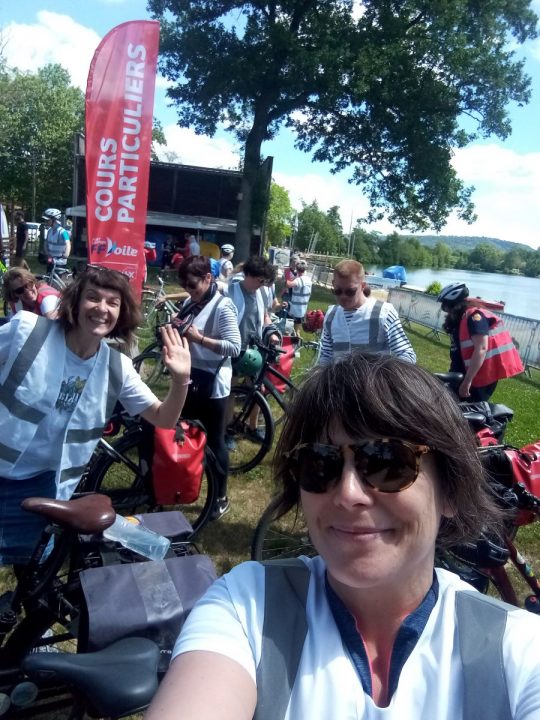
119,110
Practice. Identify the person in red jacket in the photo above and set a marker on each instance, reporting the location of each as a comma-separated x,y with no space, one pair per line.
23,291
480,348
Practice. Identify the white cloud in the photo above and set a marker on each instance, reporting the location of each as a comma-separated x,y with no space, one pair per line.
506,198
59,39
54,38
193,149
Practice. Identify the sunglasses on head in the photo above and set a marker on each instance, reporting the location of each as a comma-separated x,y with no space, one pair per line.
348,292
387,465
20,290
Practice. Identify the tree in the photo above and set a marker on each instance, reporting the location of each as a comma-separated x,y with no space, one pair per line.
39,116
314,226
280,216
381,91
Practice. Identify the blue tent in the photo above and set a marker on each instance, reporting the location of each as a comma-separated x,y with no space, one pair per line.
395,272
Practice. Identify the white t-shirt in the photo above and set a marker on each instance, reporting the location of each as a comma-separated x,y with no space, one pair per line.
229,620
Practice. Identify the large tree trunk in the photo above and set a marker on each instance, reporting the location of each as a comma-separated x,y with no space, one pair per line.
252,161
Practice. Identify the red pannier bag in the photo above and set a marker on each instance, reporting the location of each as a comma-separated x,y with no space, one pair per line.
178,463
285,363
526,470
313,321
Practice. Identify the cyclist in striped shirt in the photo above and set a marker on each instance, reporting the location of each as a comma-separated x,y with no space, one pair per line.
359,322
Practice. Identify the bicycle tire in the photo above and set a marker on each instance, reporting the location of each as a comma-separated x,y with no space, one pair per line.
126,478
149,365
280,409
286,537
246,450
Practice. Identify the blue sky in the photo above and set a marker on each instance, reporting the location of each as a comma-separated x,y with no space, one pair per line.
506,174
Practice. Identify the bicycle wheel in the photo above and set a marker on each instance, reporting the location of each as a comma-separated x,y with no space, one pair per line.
250,432
285,537
280,408
125,475
148,305
149,365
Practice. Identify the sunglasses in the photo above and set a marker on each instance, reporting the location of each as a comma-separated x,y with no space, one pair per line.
388,465
20,290
348,292
191,285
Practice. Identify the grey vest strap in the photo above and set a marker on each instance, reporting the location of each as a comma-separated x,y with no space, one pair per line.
481,623
284,632
209,324
328,320
23,362
374,323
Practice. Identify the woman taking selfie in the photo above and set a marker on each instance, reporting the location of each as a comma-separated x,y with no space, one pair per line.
385,468
59,383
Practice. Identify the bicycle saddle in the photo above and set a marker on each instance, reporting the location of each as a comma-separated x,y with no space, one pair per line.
61,270
88,514
500,411
118,680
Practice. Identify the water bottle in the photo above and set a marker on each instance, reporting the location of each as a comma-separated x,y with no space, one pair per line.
134,536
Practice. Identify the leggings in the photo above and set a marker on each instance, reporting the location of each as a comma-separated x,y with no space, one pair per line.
212,414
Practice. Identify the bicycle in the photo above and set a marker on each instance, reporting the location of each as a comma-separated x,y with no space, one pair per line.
156,309
122,470
58,277
43,621
257,406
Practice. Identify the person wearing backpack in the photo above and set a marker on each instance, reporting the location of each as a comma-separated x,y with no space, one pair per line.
385,468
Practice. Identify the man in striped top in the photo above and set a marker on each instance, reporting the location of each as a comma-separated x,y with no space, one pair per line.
359,322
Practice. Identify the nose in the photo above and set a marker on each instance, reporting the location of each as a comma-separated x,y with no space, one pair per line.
351,489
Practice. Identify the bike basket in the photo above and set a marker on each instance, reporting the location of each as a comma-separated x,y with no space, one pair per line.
143,599
284,363
178,463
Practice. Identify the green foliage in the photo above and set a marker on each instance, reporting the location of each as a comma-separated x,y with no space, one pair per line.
434,288
280,216
319,230
39,115
378,93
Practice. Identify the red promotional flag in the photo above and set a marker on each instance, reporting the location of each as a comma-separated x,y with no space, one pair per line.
119,109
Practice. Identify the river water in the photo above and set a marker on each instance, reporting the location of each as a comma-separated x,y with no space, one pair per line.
520,294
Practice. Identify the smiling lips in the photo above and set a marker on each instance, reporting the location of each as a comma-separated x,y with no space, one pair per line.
358,533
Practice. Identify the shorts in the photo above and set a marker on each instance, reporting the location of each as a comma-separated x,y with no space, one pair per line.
20,531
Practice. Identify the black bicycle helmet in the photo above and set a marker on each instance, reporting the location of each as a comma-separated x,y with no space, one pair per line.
453,294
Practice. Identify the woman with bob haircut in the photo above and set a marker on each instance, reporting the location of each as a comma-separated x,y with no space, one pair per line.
59,383
24,291
209,322
384,467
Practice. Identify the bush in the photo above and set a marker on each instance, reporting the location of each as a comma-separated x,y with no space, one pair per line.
434,288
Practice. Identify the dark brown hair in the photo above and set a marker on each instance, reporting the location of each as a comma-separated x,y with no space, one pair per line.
196,265
379,395
257,266
130,314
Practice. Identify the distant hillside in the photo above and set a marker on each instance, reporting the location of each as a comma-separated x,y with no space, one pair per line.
458,242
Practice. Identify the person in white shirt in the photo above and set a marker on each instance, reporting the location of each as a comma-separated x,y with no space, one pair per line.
225,262
300,287
385,468
193,244
359,322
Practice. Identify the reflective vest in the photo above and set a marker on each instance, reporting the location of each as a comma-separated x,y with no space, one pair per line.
300,294
207,322
30,382
502,359
234,291
362,332
43,292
